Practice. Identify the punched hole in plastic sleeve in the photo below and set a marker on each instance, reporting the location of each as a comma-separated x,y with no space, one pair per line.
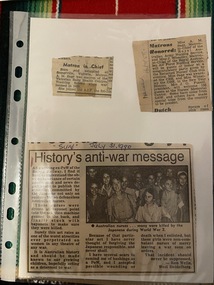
12,188
10,213
18,72
19,44
14,141
17,95
8,244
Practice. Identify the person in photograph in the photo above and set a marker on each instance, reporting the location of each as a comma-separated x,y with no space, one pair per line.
96,206
150,180
138,181
124,183
120,207
90,178
159,187
159,178
129,191
92,173
172,201
151,185
150,212
182,190
139,187
106,189
170,174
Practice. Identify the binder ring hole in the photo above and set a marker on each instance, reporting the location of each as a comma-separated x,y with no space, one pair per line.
8,244
149,144
17,95
19,44
18,71
14,141
12,188
10,214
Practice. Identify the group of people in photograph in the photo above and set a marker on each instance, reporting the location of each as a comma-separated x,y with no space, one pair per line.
125,195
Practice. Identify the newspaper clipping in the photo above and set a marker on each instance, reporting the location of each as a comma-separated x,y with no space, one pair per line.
111,208
82,76
172,74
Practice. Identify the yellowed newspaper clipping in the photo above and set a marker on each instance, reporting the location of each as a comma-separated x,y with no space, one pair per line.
111,208
172,74
82,76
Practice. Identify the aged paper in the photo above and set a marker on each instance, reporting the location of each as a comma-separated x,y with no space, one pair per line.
111,207
82,76
172,74
58,118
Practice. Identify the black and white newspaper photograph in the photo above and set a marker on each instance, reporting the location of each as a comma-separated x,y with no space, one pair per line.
137,194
